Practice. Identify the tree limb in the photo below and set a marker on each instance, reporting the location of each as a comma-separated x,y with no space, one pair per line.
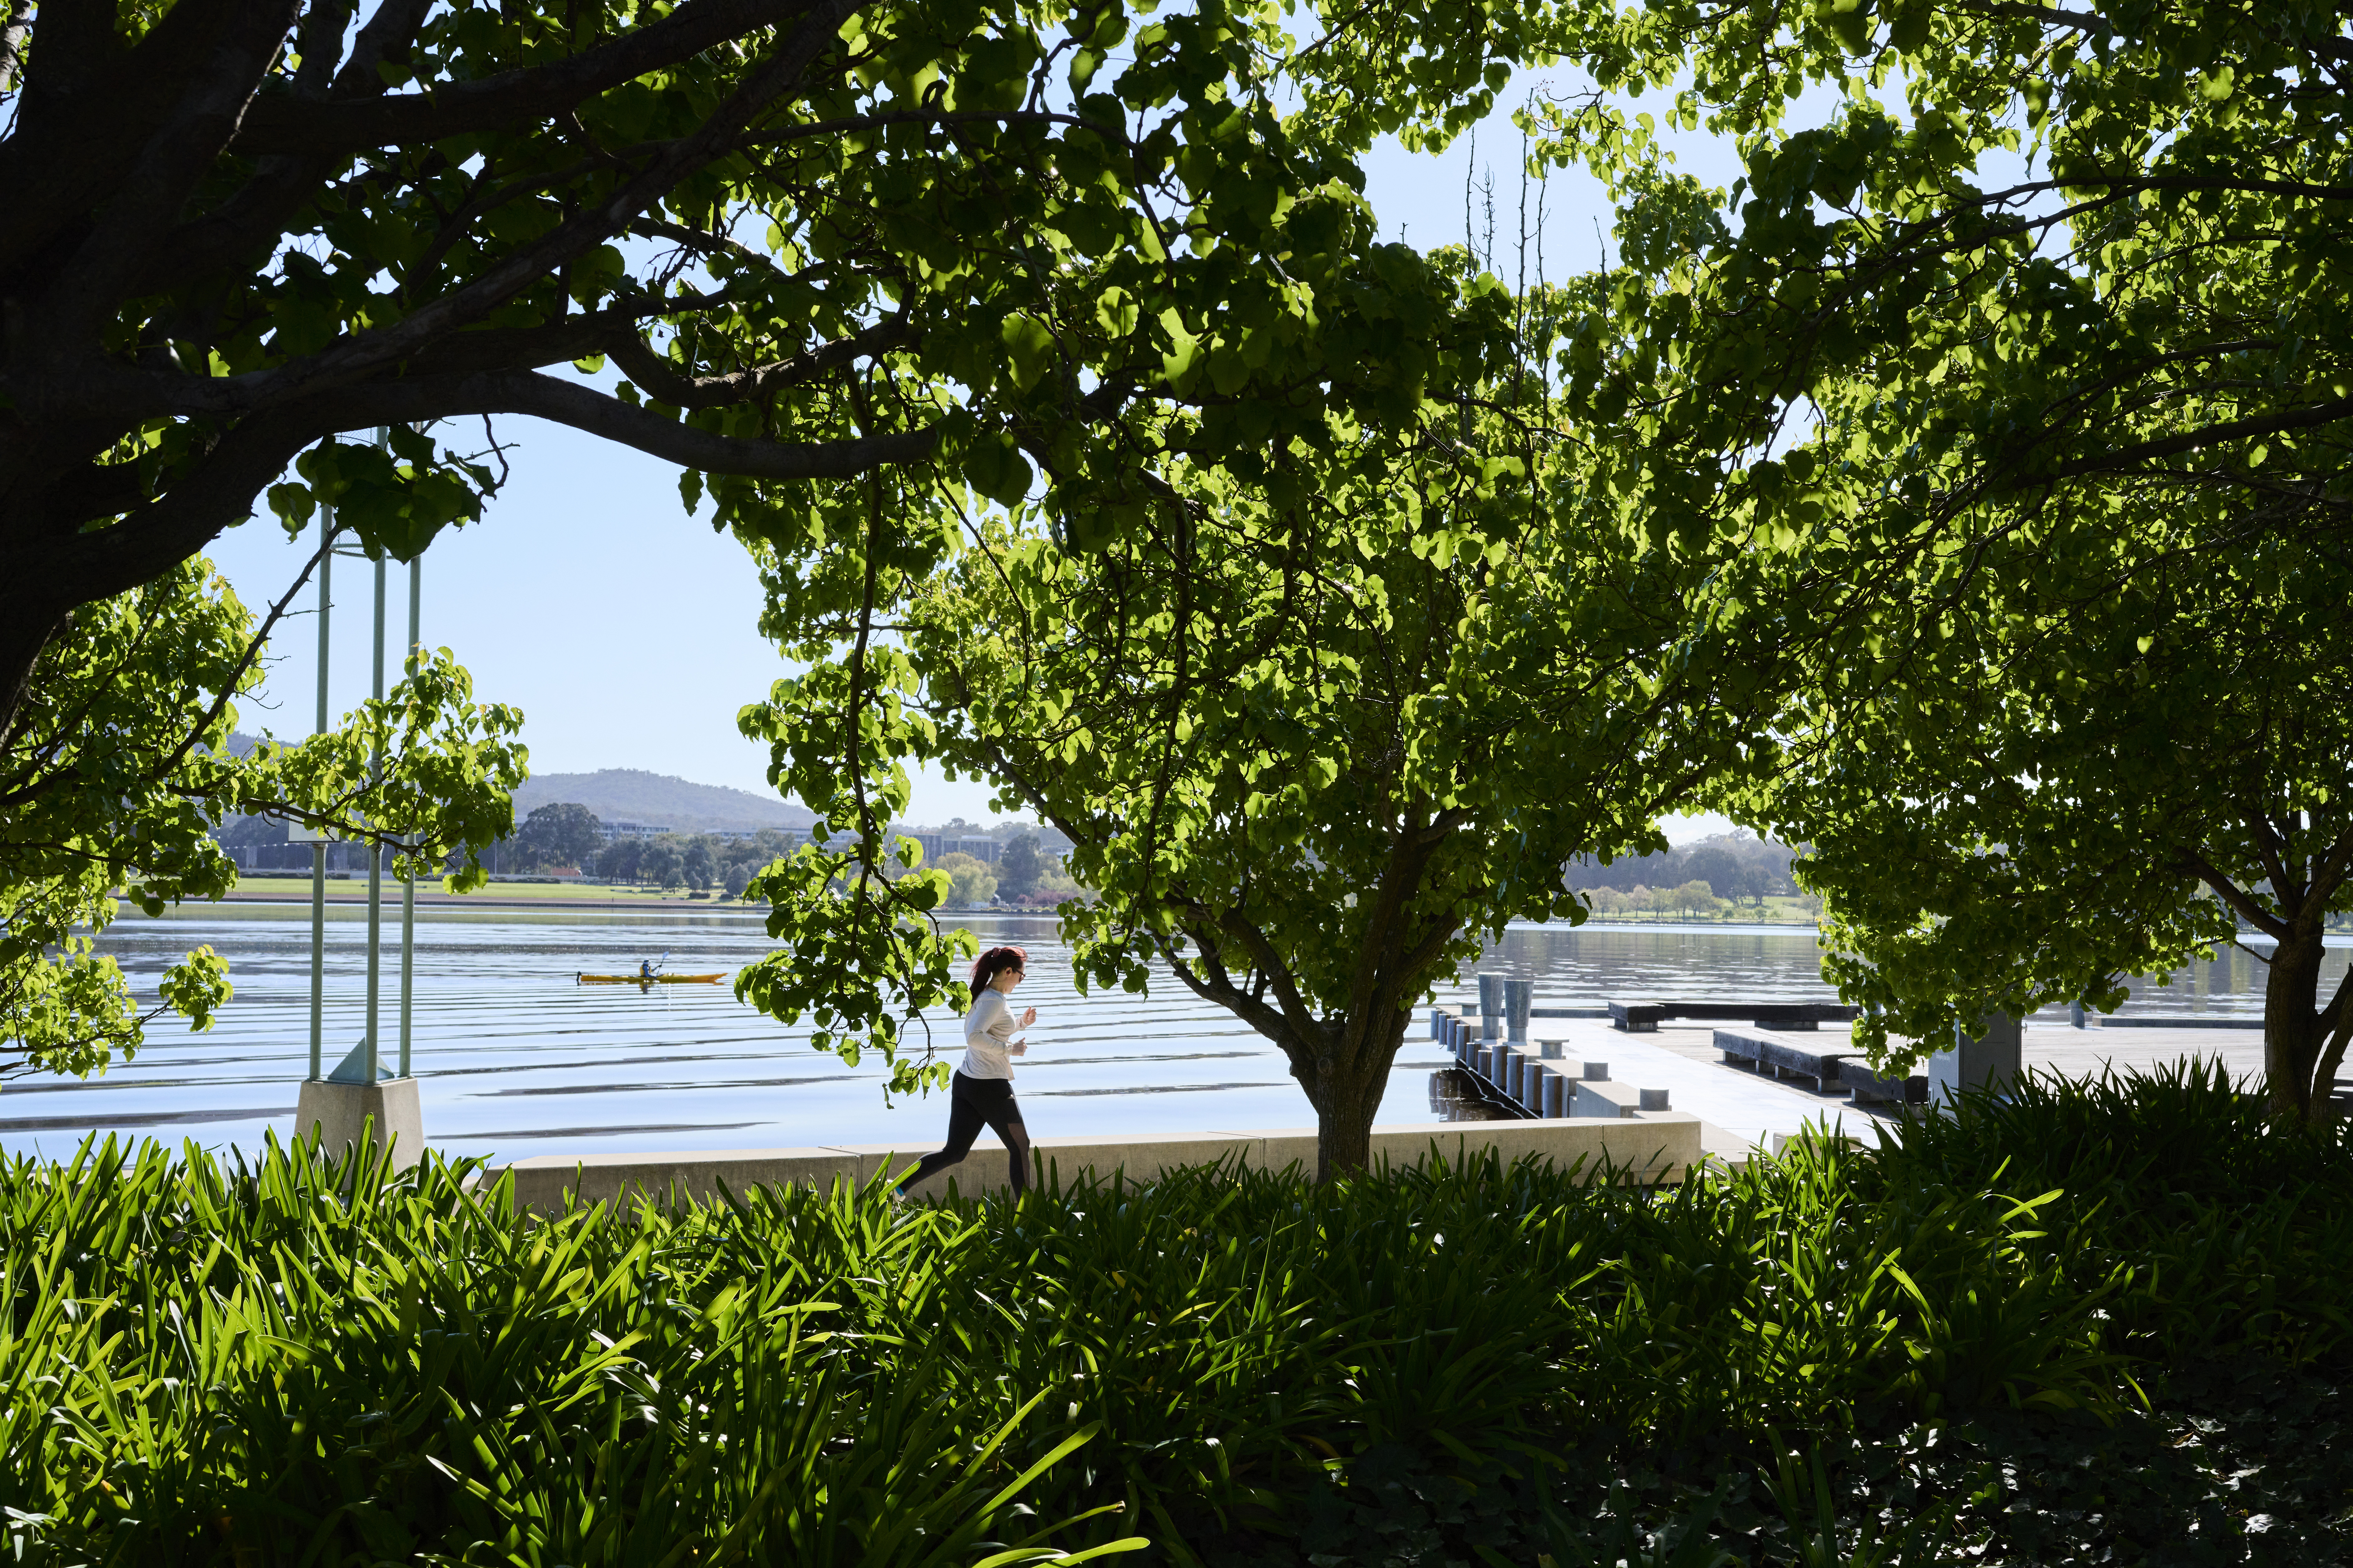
344,125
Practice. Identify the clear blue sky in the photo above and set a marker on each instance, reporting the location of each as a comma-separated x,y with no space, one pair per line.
625,629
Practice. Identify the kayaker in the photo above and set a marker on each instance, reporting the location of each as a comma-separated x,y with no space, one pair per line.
981,1093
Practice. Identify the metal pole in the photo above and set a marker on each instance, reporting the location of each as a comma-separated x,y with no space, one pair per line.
318,851
376,850
408,887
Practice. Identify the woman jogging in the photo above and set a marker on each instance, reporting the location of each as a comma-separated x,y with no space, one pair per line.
982,1091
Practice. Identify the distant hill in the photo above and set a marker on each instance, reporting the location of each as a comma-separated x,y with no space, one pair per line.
633,794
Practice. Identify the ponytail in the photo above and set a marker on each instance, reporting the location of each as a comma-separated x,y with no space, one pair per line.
992,963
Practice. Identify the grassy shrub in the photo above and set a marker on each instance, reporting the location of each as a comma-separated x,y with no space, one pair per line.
304,1362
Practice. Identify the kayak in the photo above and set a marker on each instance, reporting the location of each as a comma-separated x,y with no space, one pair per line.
648,979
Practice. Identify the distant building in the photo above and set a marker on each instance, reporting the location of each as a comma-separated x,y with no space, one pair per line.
616,831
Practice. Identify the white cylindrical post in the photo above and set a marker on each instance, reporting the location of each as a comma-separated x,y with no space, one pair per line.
409,885
319,848
376,850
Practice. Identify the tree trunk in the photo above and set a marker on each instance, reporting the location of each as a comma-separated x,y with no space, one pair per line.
2293,1029
1344,1132
1346,1095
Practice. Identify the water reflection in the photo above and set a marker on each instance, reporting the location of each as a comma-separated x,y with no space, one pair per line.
1456,1096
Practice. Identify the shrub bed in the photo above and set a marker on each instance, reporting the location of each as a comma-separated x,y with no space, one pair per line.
2093,1323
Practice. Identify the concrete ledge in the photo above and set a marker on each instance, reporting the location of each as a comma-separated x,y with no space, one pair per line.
1647,1147
1603,1098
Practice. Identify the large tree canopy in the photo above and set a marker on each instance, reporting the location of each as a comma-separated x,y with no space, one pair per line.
2073,243
1315,725
2127,735
2045,475
236,231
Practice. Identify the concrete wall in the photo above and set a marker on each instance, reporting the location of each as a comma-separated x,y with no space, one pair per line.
1653,1146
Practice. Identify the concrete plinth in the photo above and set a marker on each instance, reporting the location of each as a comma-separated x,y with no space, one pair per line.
387,1108
1989,1059
1606,1099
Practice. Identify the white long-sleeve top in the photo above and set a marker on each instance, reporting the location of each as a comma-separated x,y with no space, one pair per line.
987,1031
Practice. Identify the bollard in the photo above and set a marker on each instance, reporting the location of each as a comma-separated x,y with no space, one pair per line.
1438,1023
1654,1100
1532,1087
1491,994
1519,996
1555,1095
1597,1072
1554,1050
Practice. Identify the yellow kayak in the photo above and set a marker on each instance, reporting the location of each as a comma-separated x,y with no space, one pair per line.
648,979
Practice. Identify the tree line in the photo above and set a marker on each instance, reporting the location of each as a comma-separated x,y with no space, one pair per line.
567,836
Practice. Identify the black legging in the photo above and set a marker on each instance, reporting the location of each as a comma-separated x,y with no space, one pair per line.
972,1103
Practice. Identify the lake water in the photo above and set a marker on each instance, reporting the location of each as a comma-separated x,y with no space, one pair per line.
514,1059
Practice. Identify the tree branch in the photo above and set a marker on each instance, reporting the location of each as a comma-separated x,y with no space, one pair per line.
357,354
661,379
2123,458
451,109
147,205
14,31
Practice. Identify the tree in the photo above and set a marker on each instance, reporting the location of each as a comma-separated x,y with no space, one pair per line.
1020,868
661,863
117,766
2105,393
1710,864
2099,768
970,882
817,236
1695,897
700,868
562,834
738,877
2153,298
621,860
1316,722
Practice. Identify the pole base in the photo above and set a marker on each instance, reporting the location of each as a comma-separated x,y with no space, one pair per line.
339,1111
